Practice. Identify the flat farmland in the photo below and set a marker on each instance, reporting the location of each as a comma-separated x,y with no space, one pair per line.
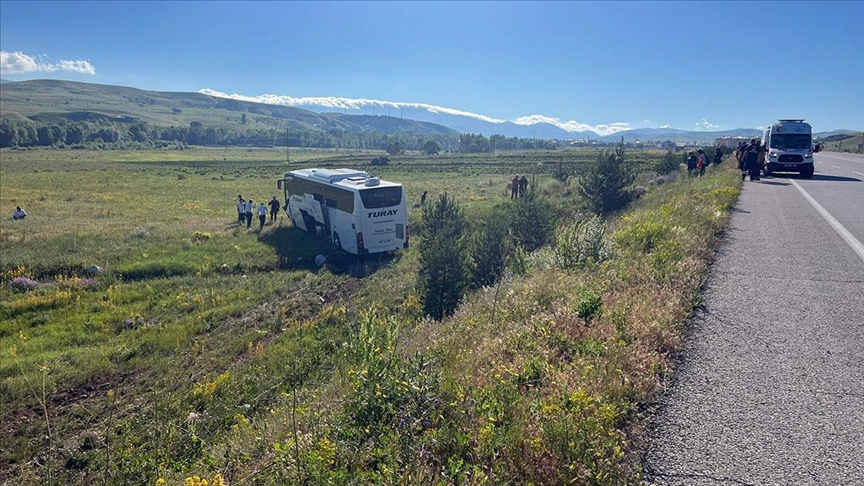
207,348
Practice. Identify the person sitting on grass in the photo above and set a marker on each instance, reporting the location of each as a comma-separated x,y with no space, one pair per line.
19,213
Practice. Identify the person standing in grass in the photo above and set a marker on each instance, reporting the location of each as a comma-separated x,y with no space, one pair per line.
691,163
523,185
241,209
701,162
262,214
249,213
514,187
718,156
274,209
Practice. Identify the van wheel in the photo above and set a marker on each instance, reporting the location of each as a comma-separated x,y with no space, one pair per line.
768,170
808,173
337,241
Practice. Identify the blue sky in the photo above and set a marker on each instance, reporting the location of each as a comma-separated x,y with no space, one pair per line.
689,65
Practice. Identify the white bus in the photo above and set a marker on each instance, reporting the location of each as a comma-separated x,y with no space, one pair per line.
358,213
789,146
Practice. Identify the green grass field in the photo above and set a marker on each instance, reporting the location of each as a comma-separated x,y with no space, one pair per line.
210,349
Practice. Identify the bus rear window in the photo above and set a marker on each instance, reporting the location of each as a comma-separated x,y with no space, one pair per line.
381,197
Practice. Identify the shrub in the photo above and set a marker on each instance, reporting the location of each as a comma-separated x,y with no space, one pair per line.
671,162
23,284
380,161
588,305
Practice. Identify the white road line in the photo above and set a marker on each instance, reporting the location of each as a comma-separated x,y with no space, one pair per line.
843,232
834,166
862,175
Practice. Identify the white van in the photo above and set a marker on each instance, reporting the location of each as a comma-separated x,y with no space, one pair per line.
789,146
358,213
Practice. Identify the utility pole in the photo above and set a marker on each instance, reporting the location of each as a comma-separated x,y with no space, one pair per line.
287,153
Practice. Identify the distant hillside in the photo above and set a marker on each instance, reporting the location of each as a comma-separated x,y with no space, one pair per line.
52,100
661,134
842,141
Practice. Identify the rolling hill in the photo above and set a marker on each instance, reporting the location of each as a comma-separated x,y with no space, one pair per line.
51,100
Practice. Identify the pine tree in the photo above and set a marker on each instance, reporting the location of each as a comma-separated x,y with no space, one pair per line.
443,276
606,185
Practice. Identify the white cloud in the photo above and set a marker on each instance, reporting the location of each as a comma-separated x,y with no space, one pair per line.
572,125
343,103
760,127
665,126
705,125
357,104
20,63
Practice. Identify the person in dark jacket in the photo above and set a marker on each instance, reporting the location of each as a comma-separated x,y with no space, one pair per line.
741,157
752,154
691,163
718,156
274,209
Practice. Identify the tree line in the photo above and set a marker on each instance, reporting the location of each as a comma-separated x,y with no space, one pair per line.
110,134
104,133
472,143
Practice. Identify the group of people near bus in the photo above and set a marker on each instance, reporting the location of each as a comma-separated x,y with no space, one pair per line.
751,159
697,162
246,208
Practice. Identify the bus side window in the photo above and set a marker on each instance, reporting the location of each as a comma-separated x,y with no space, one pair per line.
331,203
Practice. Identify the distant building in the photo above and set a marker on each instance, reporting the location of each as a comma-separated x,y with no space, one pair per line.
730,142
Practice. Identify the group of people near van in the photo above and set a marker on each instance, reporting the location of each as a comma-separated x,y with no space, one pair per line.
697,162
246,207
751,159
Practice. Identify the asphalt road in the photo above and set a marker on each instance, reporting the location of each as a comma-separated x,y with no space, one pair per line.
769,387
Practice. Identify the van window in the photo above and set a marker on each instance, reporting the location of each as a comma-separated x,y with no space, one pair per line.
381,197
787,141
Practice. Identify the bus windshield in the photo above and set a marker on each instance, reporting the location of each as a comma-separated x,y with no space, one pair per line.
790,141
381,197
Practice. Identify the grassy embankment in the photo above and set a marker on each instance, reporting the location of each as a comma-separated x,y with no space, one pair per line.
196,355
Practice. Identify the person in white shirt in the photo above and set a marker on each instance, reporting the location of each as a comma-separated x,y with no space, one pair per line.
262,214
248,213
19,213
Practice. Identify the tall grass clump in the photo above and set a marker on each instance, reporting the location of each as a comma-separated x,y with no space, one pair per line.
582,243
